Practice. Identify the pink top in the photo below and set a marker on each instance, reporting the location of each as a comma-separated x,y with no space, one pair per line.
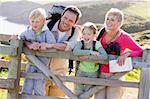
125,41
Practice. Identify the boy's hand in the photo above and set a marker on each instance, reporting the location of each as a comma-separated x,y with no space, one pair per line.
95,53
43,46
34,46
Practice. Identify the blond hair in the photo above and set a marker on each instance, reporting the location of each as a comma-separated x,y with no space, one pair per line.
116,12
37,12
91,26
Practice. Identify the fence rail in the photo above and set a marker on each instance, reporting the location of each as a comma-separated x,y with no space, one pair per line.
15,66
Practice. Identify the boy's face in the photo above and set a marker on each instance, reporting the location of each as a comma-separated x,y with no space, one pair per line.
67,21
87,35
37,23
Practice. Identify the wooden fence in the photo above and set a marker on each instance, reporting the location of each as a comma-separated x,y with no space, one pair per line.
12,83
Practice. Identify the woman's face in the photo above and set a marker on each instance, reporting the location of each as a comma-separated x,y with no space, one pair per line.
112,23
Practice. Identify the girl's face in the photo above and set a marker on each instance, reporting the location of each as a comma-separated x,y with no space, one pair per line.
112,23
37,23
87,35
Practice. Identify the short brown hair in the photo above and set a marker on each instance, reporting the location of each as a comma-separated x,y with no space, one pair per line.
91,26
74,10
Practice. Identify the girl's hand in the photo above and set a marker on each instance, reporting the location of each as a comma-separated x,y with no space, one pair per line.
95,53
83,57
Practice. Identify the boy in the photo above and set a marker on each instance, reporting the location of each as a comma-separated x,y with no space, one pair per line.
84,48
35,38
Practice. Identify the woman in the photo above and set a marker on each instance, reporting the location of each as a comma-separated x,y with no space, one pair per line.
123,46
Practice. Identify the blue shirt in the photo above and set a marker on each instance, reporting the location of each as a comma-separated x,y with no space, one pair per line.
44,36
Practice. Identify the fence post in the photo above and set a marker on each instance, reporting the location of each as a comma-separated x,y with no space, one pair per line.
14,70
144,88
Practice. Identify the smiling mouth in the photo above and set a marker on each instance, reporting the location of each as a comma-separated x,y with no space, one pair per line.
86,40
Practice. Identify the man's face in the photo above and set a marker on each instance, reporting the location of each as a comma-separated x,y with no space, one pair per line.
67,21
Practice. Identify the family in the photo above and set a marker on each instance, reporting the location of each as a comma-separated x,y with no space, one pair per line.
84,41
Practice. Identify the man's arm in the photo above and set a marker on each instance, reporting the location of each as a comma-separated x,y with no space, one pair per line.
57,46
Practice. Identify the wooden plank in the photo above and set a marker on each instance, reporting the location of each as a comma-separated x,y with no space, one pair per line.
8,50
136,61
7,83
90,92
62,54
50,74
14,70
100,81
5,63
85,80
99,88
144,88
4,37
23,96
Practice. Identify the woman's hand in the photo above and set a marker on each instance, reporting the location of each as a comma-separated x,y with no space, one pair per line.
121,58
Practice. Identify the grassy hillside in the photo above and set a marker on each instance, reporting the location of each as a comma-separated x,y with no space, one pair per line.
137,22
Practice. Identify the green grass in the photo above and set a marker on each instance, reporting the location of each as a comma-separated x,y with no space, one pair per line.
141,9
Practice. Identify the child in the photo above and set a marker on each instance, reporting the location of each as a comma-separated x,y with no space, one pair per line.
85,48
35,37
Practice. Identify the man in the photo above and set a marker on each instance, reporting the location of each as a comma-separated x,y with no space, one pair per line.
65,40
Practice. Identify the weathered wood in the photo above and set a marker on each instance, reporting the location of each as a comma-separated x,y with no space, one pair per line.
99,88
4,37
62,54
50,74
85,80
14,70
8,50
90,92
7,83
5,63
136,61
100,81
144,88
22,96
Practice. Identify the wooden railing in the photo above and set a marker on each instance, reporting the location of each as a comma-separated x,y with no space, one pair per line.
15,48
